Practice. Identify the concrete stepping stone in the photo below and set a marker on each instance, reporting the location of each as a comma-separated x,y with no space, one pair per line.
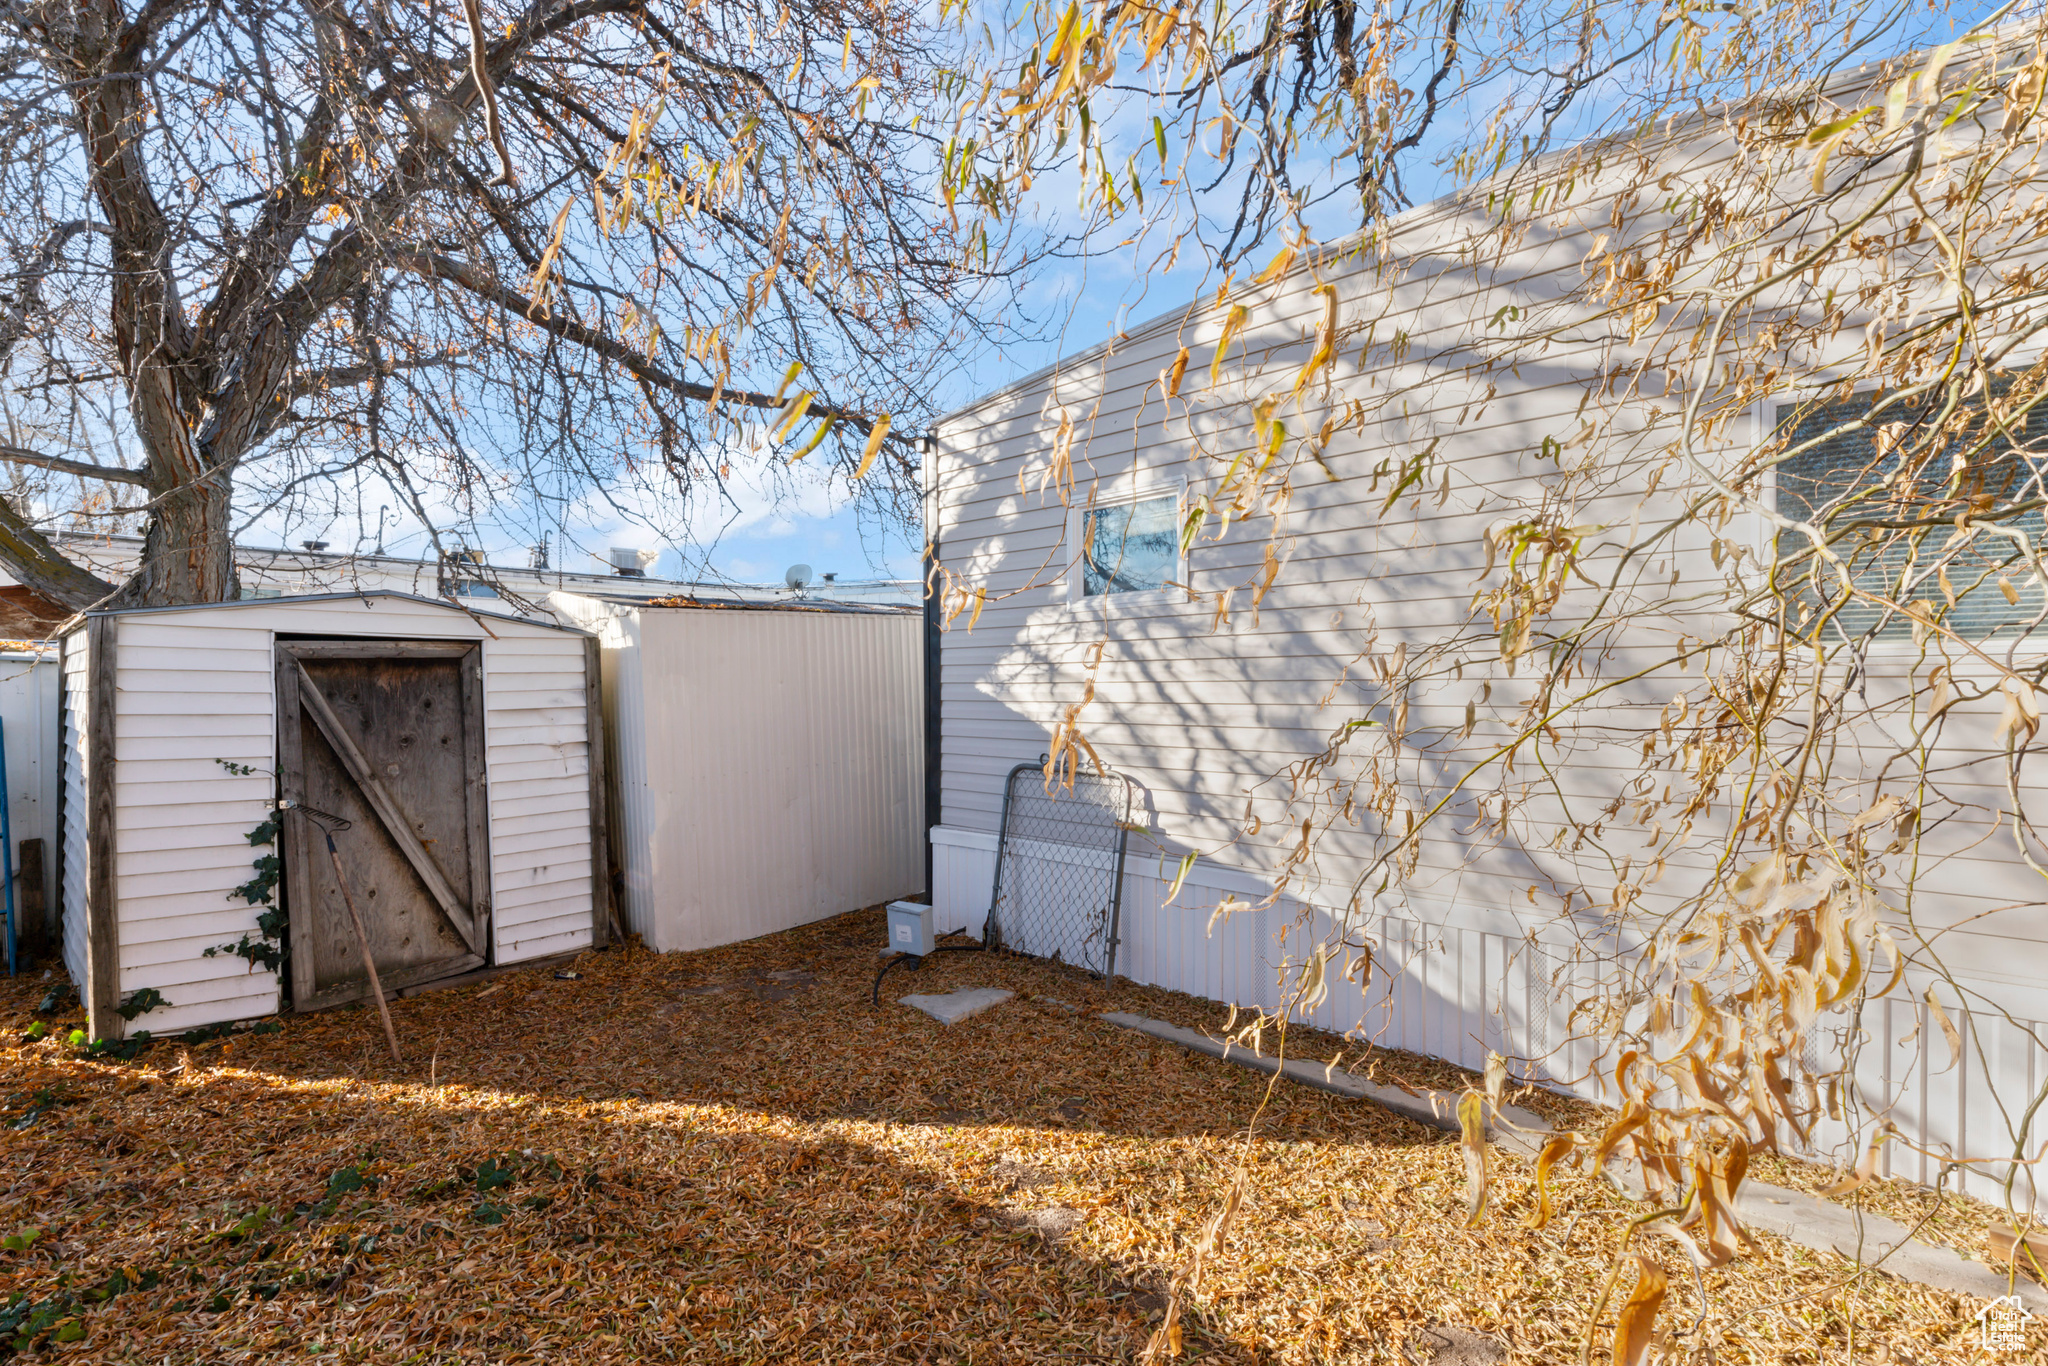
954,1006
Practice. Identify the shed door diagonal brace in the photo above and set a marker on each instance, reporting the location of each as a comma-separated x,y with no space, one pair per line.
389,814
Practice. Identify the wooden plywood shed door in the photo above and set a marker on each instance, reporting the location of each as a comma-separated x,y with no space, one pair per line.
389,736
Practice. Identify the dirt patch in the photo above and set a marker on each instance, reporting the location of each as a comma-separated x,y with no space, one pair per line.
1447,1344
1014,1173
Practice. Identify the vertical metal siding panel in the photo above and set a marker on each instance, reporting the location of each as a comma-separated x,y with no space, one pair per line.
1897,1060
1920,1090
1401,1020
1451,1044
76,671
1426,961
1379,997
1175,949
1244,958
786,789
1264,962
1505,1012
50,742
1480,960
1144,936
1414,1031
1946,1092
1138,900
1978,1117
1217,953
1160,939
1493,1000
29,711
1205,966
1141,901
1342,1000
1414,1014
1438,960
1410,1018
1832,1145
642,733
968,894
2032,1063
1250,958
1873,1061
1440,964
2012,1055
625,756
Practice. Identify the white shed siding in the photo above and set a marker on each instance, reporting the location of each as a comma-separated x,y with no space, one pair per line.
1198,716
768,765
195,691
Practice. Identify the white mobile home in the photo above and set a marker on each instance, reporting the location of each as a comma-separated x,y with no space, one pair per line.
449,756
768,761
1227,657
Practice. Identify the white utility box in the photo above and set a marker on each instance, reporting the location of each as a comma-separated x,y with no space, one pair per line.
910,928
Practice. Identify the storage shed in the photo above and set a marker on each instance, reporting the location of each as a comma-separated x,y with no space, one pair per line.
769,761
452,754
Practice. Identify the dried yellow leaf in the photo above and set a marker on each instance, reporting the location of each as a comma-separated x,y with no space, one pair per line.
1635,1327
876,435
1472,1141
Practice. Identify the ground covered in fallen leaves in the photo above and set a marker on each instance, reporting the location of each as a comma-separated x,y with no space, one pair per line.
732,1156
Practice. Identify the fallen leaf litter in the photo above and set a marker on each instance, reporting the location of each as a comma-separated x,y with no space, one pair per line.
731,1156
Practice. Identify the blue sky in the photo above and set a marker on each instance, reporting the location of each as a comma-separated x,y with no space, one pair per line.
777,517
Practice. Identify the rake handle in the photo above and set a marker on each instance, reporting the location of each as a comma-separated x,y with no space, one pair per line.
363,943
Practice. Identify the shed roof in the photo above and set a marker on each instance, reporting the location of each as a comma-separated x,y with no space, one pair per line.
690,602
491,621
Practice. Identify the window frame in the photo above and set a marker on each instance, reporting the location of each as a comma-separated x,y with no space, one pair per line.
1143,491
1963,656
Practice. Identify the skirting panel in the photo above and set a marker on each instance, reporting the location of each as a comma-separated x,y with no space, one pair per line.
1463,982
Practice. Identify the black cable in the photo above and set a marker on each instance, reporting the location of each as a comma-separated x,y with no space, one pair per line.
916,961
875,998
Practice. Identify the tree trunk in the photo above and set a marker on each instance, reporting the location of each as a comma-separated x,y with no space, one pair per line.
187,549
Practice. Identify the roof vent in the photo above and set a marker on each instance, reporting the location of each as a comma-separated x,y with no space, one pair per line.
629,563
315,546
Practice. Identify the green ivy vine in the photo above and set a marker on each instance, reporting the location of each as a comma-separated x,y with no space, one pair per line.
267,948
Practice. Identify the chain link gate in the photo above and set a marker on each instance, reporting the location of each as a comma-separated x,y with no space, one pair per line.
1060,867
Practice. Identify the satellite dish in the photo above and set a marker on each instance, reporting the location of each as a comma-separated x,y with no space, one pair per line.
796,576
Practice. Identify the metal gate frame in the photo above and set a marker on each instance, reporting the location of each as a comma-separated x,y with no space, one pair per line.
1121,821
